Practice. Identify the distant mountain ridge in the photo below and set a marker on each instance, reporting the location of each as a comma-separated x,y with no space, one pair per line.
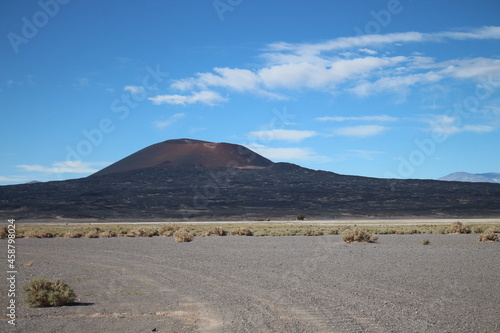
489,177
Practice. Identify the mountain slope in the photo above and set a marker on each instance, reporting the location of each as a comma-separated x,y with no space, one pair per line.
188,152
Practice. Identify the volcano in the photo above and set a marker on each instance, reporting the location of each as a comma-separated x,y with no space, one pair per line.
188,152
184,179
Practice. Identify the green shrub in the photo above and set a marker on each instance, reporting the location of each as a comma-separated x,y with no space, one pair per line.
426,242
301,217
358,236
42,292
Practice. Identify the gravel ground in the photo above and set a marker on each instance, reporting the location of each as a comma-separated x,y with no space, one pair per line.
264,284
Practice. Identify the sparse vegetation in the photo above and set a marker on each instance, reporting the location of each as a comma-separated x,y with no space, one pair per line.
72,234
426,242
107,234
489,235
4,232
182,236
356,235
246,229
168,229
218,231
42,292
94,233
459,228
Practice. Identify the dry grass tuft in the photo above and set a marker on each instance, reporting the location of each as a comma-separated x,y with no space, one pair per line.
28,264
4,231
358,236
168,229
217,231
72,234
107,234
94,233
242,231
183,236
459,228
489,235
37,234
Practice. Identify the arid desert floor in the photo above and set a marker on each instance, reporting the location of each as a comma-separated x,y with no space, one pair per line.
264,284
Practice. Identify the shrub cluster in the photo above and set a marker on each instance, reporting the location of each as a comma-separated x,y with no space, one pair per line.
358,236
489,235
44,293
182,235
459,228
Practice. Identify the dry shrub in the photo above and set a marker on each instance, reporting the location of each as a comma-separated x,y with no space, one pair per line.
477,229
241,232
489,235
358,236
72,234
308,232
4,231
43,293
94,233
168,229
107,234
37,234
182,235
458,228
217,231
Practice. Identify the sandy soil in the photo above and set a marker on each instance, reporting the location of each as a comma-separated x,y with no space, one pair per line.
264,284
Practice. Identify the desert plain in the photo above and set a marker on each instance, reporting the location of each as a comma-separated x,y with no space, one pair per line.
266,284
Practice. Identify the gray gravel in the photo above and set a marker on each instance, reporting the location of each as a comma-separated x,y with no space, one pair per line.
265,284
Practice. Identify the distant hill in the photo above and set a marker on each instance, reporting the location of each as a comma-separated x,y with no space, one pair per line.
184,179
490,177
189,152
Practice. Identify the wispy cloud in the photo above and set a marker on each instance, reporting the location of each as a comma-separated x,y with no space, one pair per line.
365,154
361,131
381,118
207,97
347,64
282,134
136,90
446,125
65,167
171,120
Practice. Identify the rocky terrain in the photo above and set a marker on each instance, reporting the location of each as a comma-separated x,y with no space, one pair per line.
264,284
179,186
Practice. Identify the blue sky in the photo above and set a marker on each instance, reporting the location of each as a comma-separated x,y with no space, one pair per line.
400,89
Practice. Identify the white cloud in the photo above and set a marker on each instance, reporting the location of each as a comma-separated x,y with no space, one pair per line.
336,65
65,167
359,131
205,97
360,118
165,123
446,125
281,134
368,51
136,90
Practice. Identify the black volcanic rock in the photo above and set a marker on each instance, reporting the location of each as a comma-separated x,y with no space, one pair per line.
188,152
258,190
